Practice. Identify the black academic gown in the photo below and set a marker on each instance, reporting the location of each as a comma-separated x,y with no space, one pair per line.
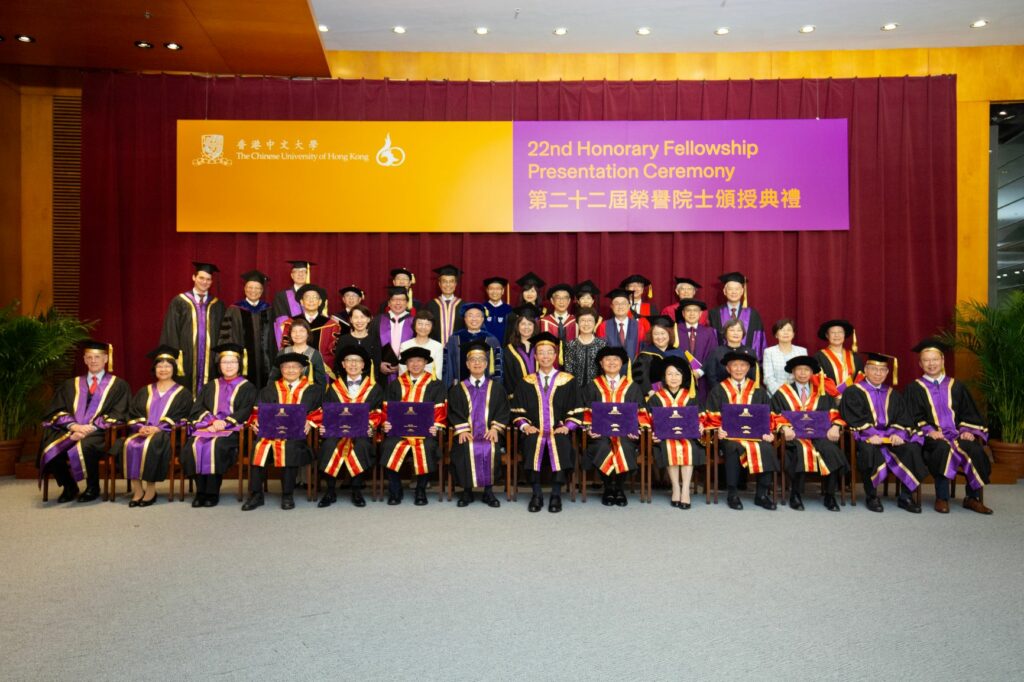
355,455
155,449
451,315
686,452
476,462
287,453
950,410
423,451
370,343
613,455
255,333
756,456
514,366
820,454
844,370
565,410
643,363
218,400
182,326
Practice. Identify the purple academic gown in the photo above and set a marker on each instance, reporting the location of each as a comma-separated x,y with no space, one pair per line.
879,398
204,440
136,445
706,342
85,413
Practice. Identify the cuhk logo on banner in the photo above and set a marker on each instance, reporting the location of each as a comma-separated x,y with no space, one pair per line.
213,152
389,156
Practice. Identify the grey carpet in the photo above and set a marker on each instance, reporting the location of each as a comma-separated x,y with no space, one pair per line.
100,591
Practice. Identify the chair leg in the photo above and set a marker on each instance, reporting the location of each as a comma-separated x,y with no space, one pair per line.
46,487
111,480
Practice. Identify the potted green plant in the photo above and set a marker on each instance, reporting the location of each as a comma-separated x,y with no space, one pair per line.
995,336
32,349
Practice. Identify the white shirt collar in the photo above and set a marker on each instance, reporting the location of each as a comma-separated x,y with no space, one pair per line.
939,378
253,303
99,375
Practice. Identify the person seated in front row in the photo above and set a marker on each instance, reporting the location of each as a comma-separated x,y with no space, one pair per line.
678,456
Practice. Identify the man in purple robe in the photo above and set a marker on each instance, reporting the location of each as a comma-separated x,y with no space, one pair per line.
697,341
734,288
393,327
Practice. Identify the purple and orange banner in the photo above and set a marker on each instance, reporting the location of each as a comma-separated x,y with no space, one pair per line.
503,176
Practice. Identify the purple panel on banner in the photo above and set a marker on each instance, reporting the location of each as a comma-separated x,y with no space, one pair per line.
596,176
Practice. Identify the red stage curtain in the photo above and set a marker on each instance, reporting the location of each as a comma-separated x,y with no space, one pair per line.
893,274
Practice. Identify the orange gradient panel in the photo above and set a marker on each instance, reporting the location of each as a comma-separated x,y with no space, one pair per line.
344,176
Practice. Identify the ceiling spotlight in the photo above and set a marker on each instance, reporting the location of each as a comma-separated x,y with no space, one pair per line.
144,44
980,23
891,26
323,28
481,30
398,29
560,31
809,28
722,31
173,46
1004,112
643,31
22,38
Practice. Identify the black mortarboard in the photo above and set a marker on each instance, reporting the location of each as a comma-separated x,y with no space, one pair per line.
617,293
398,291
685,302
617,351
687,280
634,279
300,264
354,350
555,288
305,288
476,346
931,343
395,272
737,277
229,348
208,268
530,281
545,338
169,354
739,355
353,288
495,280
587,287
415,352
663,321
448,270
102,346
825,326
255,276
803,361
527,310
471,305
292,357
659,365
883,359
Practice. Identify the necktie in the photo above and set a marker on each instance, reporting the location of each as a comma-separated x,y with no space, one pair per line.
693,339
739,385
476,383
561,328
803,394
622,334
546,383
936,381
612,385
732,312
93,385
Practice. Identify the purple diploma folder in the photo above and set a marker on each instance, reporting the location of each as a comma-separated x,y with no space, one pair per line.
282,422
410,420
746,422
346,420
809,425
614,419
676,423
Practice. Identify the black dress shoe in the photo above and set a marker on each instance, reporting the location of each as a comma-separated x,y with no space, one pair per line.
536,503
211,500
491,501
254,500
133,503
198,500
874,504
287,502
148,503
909,504
676,503
684,505
358,499
765,502
555,504
795,502
734,502
394,499
830,503
421,497
620,499
89,495
608,499
68,494
327,500
465,497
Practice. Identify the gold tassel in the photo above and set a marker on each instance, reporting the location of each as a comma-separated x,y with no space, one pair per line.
412,282
757,376
629,370
309,372
491,362
744,293
853,346
508,295
821,382
110,358
373,374
895,370
693,385
675,334
650,291
245,361
181,364
309,272
561,360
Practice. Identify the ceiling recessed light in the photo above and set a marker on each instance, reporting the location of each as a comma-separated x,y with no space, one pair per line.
481,30
398,29
1004,112
722,31
560,31
144,44
22,38
643,31
323,28
173,46
809,28
980,23
891,26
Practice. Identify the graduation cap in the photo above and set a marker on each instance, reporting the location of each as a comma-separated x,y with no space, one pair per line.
527,310
415,352
587,287
255,276
747,358
395,272
353,289
466,307
354,350
292,357
547,339
170,354
495,280
303,265
306,288
737,277
233,349
847,329
446,270
398,291
687,302
931,343
638,279
803,361
656,372
560,287
208,268
103,347
530,281
480,348
882,360
687,280
617,293
609,351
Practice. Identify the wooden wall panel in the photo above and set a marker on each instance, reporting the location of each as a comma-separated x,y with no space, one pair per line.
10,193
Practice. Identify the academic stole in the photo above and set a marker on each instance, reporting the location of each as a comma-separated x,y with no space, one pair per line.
679,451
448,311
751,457
267,447
147,439
810,457
844,368
345,451
957,460
615,461
412,392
